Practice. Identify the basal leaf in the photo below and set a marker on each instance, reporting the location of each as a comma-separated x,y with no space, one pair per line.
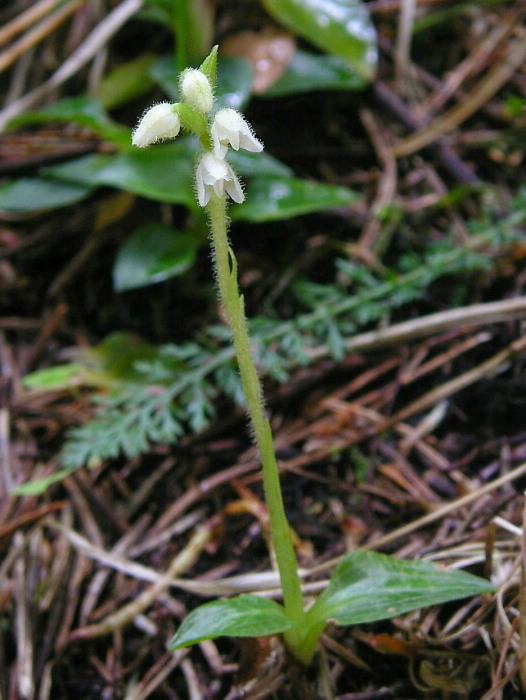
308,72
84,111
257,164
163,172
340,27
55,378
154,253
367,586
32,194
243,616
275,198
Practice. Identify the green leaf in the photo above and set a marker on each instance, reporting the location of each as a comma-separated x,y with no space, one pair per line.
233,87
53,378
275,198
164,173
154,253
234,83
33,194
308,72
243,616
84,111
35,488
128,81
340,27
367,586
257,164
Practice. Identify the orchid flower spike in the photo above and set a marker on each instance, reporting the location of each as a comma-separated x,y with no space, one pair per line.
230,127
158,124
215,174
196,90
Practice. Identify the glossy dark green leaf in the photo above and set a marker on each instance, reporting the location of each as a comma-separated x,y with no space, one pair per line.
275,198
262,164
163,173
367,586
234,81
243,616
84,111
154,253
340,27
308,72
32,194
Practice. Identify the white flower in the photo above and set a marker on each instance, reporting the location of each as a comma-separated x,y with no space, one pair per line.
217,175
230,127
196,90
158,123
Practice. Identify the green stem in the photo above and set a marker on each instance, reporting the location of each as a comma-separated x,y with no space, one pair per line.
233,304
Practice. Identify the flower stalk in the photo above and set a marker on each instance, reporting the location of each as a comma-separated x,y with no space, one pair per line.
215,179
233,304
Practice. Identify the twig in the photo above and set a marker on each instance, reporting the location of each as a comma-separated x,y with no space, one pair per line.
386,190
448,159
476,60
182,562
429,518
407,331
95,41
27,19
36,35
483,91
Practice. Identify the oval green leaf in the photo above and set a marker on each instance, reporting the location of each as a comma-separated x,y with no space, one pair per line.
84,111
33,194
243,616
164,172
340,27
275,198
308,72
154,253
367,586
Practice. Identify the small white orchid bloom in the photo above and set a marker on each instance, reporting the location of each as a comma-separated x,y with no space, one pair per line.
158,124
230,127
215,174
196,90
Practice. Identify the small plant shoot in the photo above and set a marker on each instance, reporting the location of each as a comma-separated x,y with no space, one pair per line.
365,586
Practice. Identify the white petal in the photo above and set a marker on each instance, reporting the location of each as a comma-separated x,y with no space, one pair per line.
203,194
234,189
231,127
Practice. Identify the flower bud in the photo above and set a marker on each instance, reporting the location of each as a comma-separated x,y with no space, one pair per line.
196,90
158,124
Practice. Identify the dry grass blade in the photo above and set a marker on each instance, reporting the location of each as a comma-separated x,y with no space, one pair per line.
119,619
481,93
95,41
26,19
38,33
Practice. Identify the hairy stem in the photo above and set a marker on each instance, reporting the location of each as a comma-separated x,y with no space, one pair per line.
233,304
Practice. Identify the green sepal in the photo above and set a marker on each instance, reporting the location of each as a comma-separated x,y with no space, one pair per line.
209,66
242,616
191,118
